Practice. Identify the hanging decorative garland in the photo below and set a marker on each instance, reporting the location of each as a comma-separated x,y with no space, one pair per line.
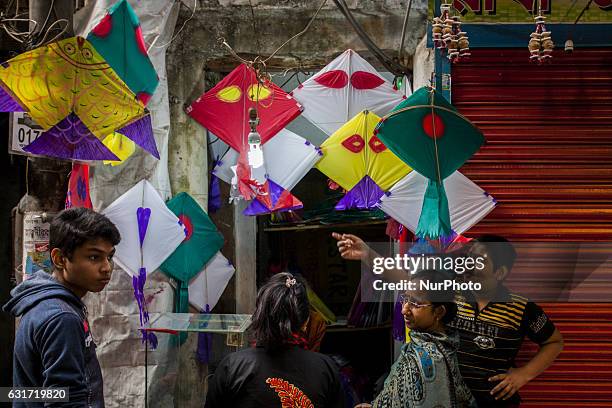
540,44
447,35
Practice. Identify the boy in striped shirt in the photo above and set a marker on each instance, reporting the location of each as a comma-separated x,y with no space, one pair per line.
492,324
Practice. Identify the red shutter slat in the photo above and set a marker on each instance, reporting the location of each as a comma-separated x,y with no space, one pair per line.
548,162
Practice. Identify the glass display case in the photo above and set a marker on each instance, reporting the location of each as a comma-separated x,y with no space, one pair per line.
189,346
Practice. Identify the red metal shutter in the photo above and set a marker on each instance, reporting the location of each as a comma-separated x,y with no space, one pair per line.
548,161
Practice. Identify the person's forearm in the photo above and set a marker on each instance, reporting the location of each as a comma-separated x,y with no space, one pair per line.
543,359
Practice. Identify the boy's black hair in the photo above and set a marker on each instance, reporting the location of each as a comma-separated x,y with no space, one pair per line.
439,298
72,227
281,310
500,250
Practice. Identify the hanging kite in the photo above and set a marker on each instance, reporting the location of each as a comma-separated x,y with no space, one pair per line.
355,159
118,39
224,110
287,157
204,292
276,198
150,232
428,133
345,87
76,97
201,243
208,285
468,203
78,187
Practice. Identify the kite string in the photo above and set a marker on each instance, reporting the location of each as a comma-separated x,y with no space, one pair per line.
258,61
193,11
400,51
312,19
255,28
30,38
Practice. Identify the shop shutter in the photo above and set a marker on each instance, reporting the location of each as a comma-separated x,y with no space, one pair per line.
548,161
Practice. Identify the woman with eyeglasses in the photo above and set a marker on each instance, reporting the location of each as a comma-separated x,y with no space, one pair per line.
426,373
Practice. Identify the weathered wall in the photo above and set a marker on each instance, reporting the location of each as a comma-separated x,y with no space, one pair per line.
265,26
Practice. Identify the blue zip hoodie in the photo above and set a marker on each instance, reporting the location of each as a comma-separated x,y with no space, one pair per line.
53,344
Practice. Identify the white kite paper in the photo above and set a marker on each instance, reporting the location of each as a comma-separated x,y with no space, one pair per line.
468,203
345,87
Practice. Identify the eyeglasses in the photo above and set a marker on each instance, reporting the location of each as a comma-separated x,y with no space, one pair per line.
406,300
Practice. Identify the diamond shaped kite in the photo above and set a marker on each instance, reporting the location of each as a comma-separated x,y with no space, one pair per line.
78,187
201,243
208,285
75,96
428,133
345,87
288,158
150,232
224,110
118,38
360,163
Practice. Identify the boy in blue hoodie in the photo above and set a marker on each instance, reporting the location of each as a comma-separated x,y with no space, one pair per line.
53,344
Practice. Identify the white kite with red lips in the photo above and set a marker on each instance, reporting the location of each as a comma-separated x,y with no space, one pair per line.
344,88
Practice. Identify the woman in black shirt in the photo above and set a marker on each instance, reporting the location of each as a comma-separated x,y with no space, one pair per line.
277,371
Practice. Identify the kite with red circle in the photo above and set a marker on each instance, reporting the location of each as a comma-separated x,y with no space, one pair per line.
202,241
118,38
78,187
431,136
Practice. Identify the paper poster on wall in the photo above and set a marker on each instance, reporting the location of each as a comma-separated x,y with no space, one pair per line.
35,244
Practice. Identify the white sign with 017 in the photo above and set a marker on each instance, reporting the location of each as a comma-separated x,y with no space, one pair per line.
23,132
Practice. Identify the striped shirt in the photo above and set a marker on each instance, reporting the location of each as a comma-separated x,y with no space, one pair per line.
492,337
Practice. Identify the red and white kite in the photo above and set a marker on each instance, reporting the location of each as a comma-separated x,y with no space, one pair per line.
224,110
344,88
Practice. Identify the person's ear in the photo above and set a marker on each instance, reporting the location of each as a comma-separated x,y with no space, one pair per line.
501,273
58,259
439,312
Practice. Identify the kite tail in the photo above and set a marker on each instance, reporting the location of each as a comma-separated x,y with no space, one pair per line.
138,283
435,215
214,194
204,349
